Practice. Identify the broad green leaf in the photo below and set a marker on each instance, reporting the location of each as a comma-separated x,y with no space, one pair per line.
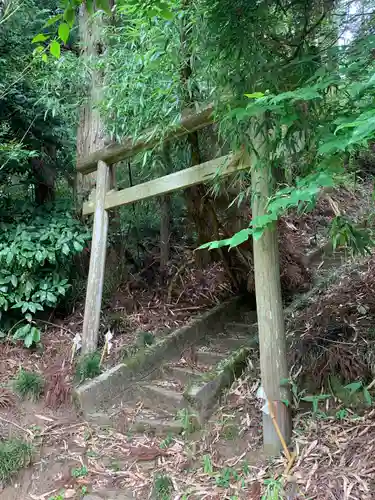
69,16
14,280
39,38
333,145
89,6
53,20
38,49
104,5
55,49
44,58
36,334
285,382
239,238
212,245
257,233
167,14
367,396
64,31
77,246
28,340
353,387
65,249
51,297
255,95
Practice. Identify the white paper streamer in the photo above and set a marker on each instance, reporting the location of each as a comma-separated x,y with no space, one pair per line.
77,342
262,396
108,337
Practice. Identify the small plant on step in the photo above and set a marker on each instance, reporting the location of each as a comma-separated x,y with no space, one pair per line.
28,384
208,467
14,455
145,339
226,476
229,428
188,421
163,487
315,400
59,496
296,394
88,366
78,472
274,489
166,442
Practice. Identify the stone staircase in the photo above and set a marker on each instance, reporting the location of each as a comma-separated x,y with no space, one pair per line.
166,404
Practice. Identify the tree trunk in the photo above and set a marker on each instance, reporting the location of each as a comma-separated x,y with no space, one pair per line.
165,212
91,137
272,341
90,133
194,196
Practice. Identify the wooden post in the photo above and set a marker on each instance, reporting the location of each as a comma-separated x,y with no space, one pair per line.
91,321
272,342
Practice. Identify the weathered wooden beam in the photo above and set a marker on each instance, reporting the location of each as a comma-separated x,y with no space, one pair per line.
91,321
198,174
151,137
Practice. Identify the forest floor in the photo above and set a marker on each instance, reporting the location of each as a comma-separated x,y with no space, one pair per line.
334,446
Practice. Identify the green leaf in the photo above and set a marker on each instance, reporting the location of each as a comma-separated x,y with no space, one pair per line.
51,297
22,331
284,382
28,340
318,397
69,15
64,31
36,334
239,238
39,38
65,249
367,396
104,5
53,20
77,246
14,280
9,257
89,6
212,245
255,95
353,387
55,49
257,233
167,14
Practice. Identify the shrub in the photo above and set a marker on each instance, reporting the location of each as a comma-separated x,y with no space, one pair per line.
14,455
28,384
35,263
88,366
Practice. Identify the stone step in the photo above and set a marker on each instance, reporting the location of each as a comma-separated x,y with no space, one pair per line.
157,426
209,358
238,328
183,375
160,398
226,345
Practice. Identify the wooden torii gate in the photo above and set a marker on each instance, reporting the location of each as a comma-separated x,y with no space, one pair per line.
106,198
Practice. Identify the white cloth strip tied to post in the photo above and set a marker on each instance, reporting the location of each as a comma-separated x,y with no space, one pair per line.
77,344
262,396
107,345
